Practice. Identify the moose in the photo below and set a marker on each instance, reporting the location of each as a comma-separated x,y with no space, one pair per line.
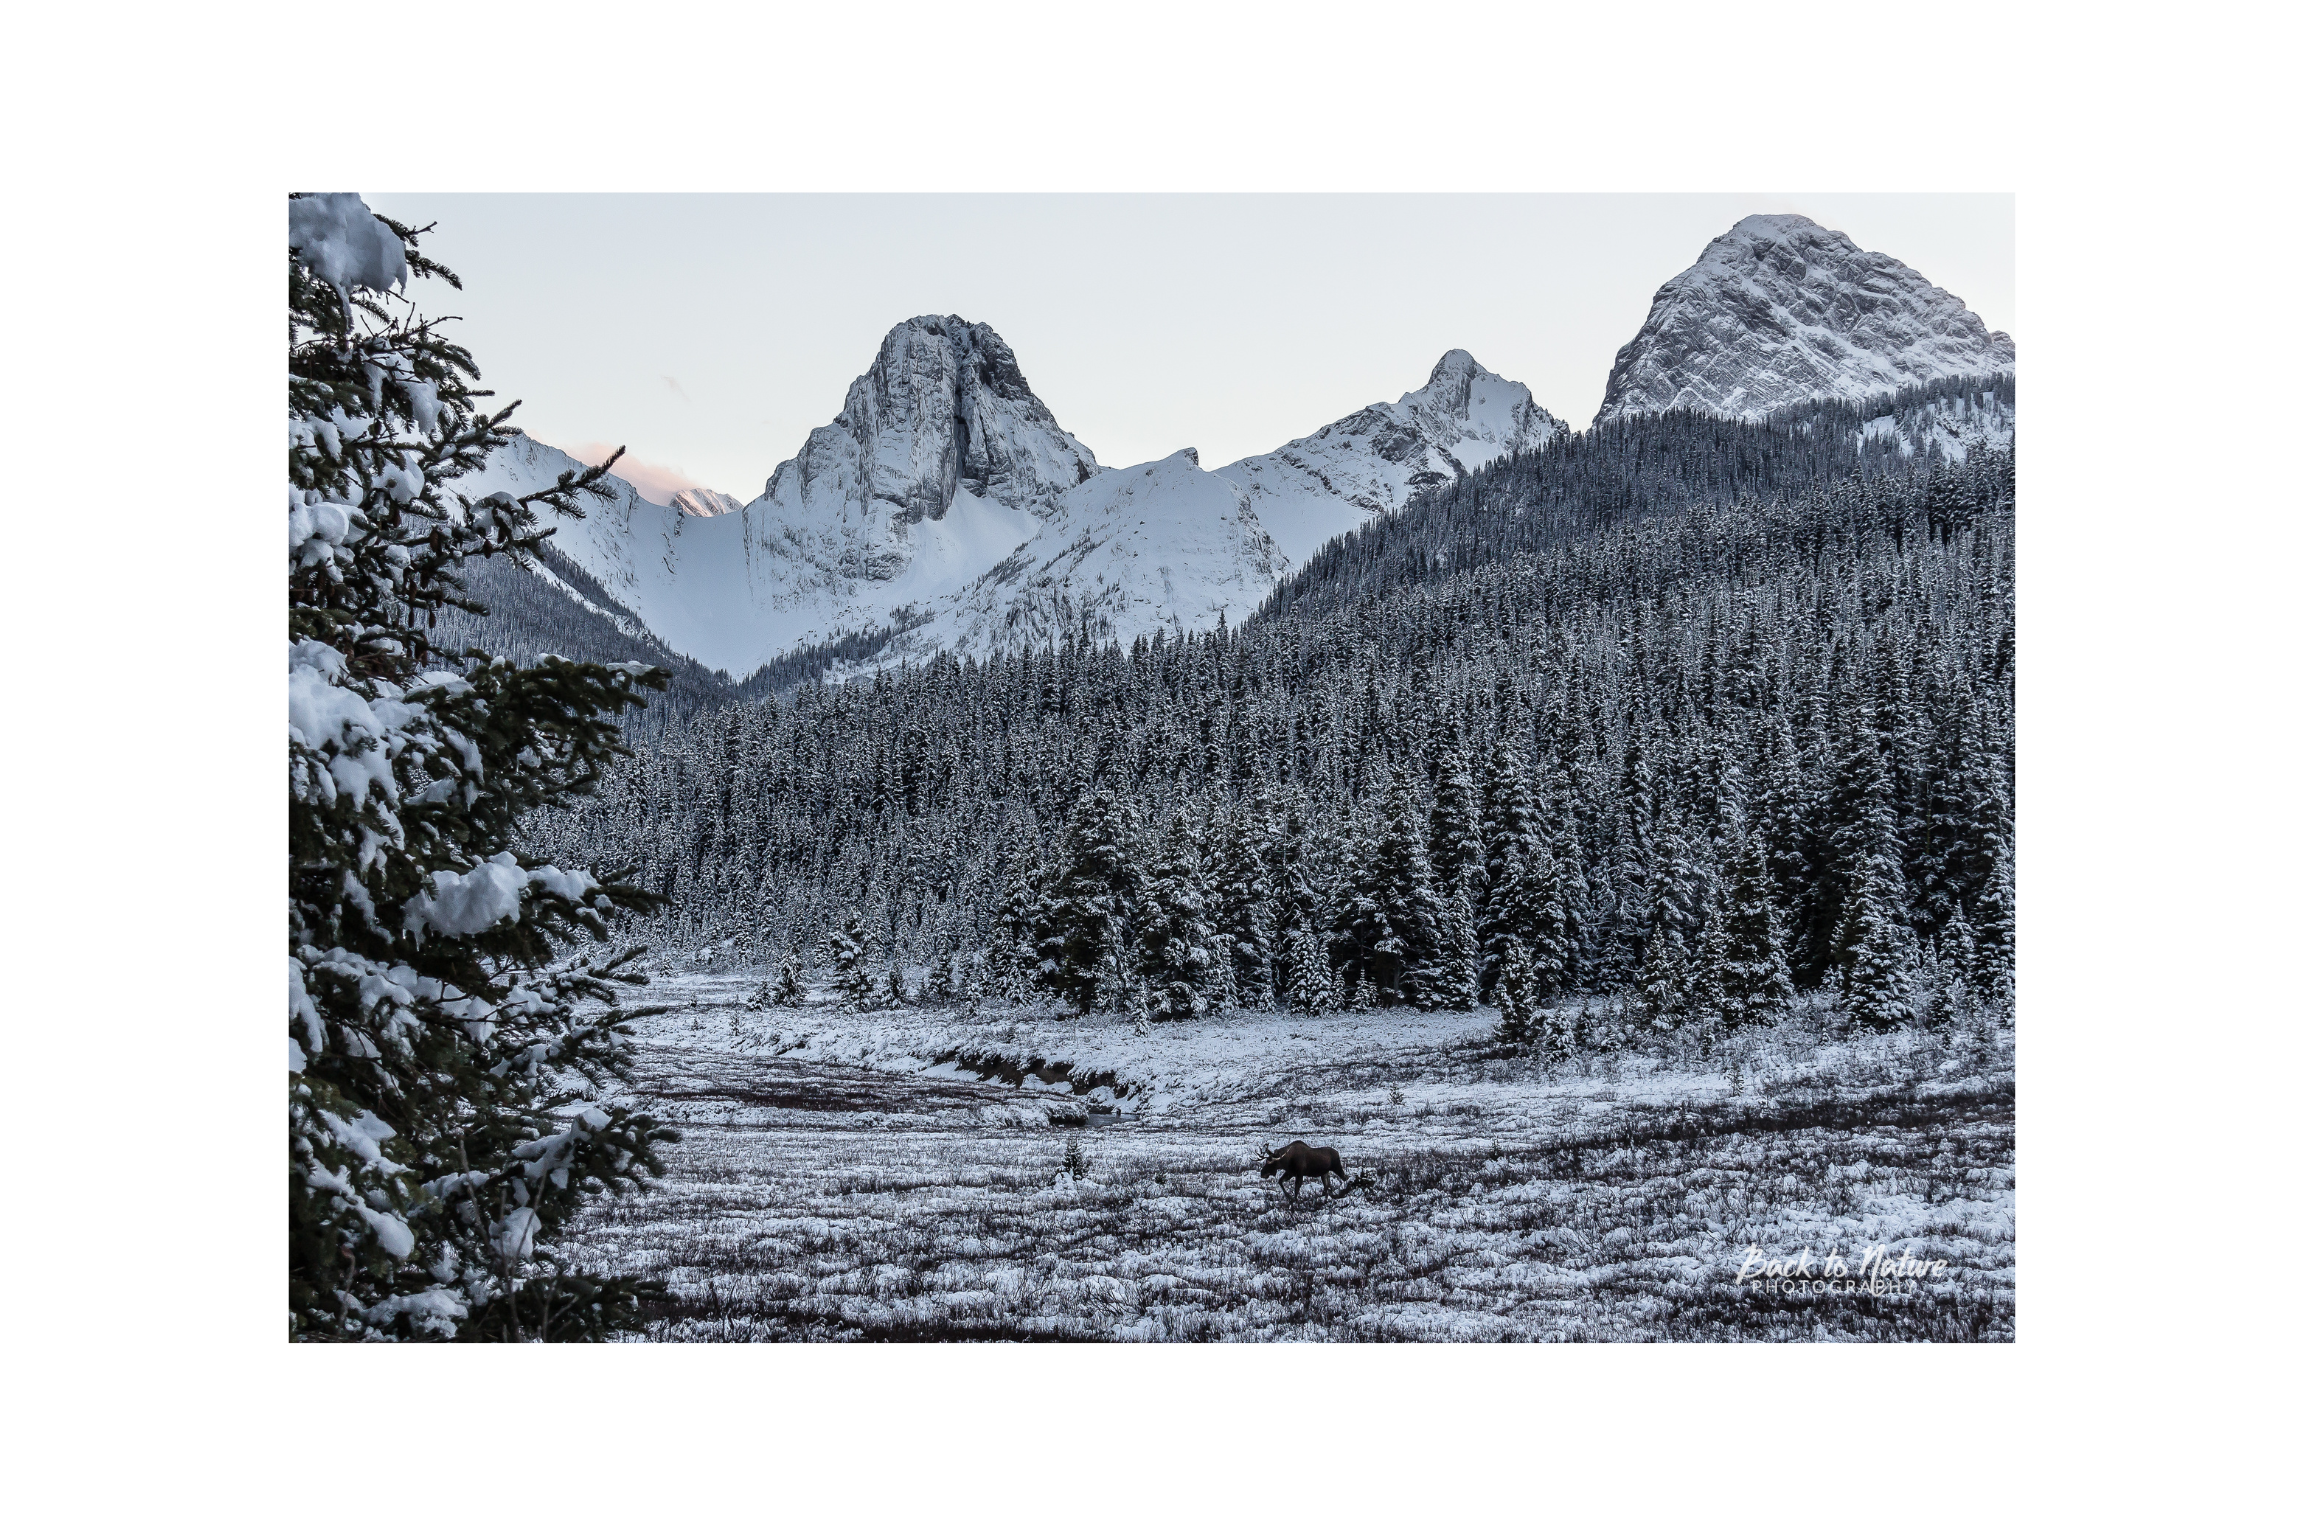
1298,1161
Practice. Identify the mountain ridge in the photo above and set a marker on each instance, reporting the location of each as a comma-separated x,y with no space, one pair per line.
1370,462
945,507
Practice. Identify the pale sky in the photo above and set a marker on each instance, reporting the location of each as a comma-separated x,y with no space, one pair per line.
710,335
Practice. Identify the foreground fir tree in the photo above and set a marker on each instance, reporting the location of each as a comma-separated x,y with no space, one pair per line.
443,1123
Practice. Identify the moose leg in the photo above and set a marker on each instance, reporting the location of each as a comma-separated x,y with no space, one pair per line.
1324,1189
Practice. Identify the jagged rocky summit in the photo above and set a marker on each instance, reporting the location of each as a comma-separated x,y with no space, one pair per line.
1780,310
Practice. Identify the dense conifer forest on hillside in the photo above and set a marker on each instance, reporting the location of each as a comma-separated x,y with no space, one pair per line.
1688,711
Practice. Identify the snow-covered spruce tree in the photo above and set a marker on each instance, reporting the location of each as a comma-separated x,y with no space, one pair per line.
1015,955
790,989
1939,864
1508,827
1557,1035
849,950
1856,824
1175,953
1391,932
1240,906
1994,976
1515,995
1087,925
894,991
1665,975
1312,989
938,983
1632,922
1525,905
1577,929
1750,983
1297,904
1956,953
438,1136
1677,881
1541,918
1456,973
1458,859
1875,977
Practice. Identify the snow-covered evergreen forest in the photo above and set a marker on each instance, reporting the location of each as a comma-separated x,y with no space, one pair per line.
1551,729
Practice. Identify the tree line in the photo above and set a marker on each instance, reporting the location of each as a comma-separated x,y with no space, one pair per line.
1698,760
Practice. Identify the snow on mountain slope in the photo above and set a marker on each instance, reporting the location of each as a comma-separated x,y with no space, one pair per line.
658,562
1780,310
934,469
1159,546
1309,491
696,501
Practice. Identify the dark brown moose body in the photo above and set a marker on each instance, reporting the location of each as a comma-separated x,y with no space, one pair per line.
1299,1162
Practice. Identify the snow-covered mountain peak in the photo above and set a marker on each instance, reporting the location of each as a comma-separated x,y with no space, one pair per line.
1450,387
1781,310
1309,491
943,408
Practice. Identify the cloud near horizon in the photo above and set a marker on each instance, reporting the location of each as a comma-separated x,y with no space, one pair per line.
658,482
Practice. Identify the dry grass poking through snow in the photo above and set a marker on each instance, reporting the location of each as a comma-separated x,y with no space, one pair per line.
815,1197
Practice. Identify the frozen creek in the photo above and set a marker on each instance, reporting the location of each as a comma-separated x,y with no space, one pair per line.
878,1177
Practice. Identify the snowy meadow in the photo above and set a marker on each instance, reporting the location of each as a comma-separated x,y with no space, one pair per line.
922,1174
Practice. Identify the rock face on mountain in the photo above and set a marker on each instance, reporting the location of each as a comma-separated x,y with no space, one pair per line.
1309,491
939,463
943,409
1158,546
1780,310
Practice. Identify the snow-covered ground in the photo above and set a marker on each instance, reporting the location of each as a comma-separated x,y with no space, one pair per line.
916,1175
